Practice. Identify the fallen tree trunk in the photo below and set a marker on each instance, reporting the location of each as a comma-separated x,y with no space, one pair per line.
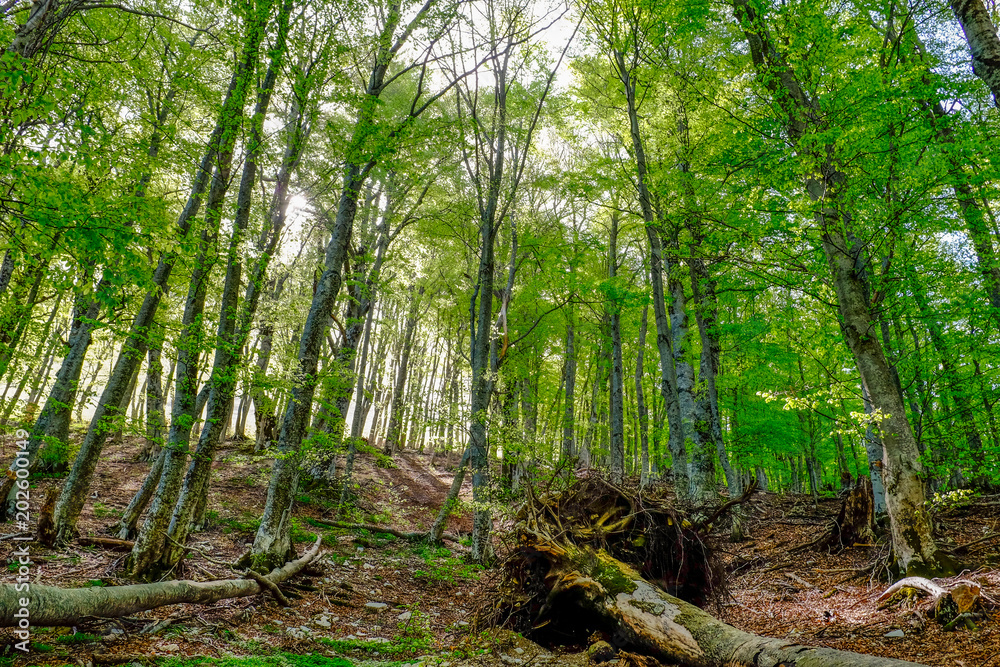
49,605
644,618
109,542
602,557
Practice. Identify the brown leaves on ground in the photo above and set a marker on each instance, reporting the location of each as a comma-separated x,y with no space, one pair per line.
811,597
831,597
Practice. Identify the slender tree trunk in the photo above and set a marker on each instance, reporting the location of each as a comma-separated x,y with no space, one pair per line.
569,375
359,414
706,314
150,543
640,397
126,526
75,489
616,397
173,500
14,323
272,541
81,403
437,528
392,442
155,421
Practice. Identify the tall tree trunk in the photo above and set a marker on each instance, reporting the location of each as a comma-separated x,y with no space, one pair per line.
706,314
911,528
180,502
694,417
640,397
569,378
392,441
668,375
272,541
360,414
616,398
126,526
75,489
155,420
434,535
984,45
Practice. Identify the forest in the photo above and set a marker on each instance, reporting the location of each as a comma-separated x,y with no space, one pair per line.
649,331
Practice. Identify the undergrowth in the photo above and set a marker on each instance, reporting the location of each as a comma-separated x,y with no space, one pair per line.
281,660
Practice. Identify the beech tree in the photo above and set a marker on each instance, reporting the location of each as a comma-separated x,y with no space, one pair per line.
683,242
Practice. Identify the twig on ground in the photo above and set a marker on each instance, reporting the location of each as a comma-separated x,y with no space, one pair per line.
271,587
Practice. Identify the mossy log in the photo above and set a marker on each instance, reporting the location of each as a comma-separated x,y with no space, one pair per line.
645,619
53,606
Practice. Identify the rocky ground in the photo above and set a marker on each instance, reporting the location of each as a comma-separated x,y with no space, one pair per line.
375,599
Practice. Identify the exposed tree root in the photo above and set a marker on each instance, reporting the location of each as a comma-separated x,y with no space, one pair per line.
588,589
565,579
49,605
947,604
271,587
714,516
854,525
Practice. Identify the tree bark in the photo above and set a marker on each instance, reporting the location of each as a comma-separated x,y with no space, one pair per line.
911,526
668,373
984,45
640,397
235,319
75,489
49,605
392,436
616,399
569,410
151,544
648,620
272,541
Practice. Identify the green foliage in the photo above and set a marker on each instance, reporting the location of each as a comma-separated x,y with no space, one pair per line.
442,567
102,511
280,660
399,647
951,500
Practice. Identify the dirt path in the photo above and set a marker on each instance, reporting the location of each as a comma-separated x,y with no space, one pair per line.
411,493
419,484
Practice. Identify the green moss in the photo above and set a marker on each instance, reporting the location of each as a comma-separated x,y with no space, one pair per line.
401,646
941,566
648,607
610,574
282,660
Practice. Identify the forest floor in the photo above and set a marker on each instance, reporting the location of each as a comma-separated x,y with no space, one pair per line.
372,599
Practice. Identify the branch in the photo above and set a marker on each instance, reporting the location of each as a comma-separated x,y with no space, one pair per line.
719,512
50,605
151,15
